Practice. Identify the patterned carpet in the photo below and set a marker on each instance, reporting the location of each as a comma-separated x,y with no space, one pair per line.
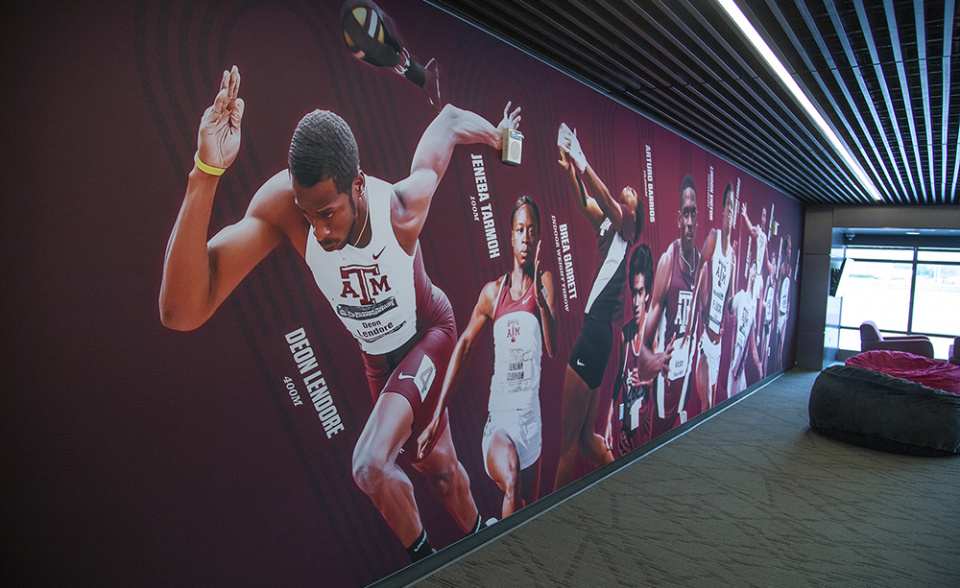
749,497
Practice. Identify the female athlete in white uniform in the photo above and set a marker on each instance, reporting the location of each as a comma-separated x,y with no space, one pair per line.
521,306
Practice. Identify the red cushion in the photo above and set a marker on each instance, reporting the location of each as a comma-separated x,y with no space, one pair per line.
932,373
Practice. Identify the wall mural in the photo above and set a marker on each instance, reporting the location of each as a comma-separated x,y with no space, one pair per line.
392,337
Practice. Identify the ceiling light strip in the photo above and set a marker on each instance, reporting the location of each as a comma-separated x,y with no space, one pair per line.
761,47
844,89
925,86
843,37
805,57
895,45
956,172
895,123
945,111
798,134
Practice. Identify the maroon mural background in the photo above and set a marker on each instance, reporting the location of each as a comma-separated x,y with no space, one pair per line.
135,454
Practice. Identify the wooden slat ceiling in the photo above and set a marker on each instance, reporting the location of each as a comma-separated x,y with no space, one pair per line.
880,71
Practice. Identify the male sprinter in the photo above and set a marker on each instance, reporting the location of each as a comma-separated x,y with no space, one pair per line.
744,309
710,299
761,236
637,408
783,300
767,323
671,301
520,304
351,229
617,226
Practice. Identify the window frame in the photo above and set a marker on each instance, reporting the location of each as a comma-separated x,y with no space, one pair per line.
914,261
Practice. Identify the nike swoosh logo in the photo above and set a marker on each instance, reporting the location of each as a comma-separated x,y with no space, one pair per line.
526,300
580,363
406,377
377,255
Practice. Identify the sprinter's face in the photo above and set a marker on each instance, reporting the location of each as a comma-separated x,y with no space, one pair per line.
332,215
687,218
524,236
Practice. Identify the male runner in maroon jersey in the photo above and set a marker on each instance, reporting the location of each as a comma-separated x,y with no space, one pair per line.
360,237
671,301
636,409
520,305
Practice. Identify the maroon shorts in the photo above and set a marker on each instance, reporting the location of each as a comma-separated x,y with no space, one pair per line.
628,440
416,370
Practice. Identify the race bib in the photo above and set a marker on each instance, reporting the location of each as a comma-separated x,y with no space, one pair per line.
678,362
635,413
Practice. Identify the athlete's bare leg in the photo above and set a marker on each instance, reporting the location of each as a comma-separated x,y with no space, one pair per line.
733,385
579,412
504,467
780,346
774,343
592,444
703,383
530,483
762,347
375,469
449,481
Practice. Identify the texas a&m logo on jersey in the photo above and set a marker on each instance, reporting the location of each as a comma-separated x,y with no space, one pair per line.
364,283
720,270
684,303
513,330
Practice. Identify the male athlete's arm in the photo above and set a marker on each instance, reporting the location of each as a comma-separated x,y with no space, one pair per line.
735,278
608,429
482,312
653,363
734,260
617,388
767,261
746,221
701,291
621,380
197,275
754,352
453,126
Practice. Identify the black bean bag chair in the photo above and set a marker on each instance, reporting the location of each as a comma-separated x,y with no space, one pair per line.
879,411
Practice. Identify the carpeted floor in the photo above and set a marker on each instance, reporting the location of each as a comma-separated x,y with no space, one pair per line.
749,497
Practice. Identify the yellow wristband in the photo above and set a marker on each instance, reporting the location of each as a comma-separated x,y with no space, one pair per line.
207,169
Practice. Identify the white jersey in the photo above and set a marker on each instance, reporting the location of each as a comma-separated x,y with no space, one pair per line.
610,274
761,251
768,303
720,272
785,295
745,311
371,288
518,348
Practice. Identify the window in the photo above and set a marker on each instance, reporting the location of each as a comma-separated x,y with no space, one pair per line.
936,305
904,291
876,291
